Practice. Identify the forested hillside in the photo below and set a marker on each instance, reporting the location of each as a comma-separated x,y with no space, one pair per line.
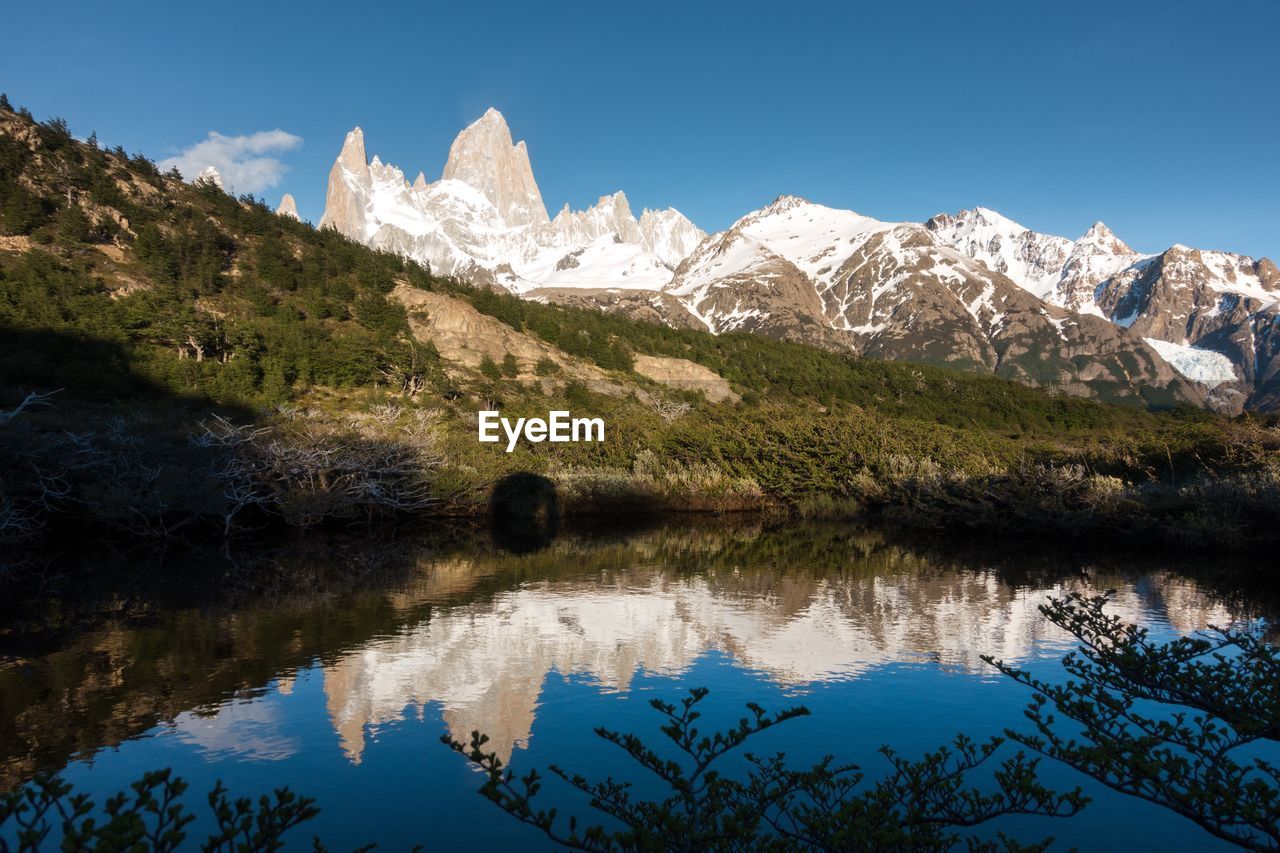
184,354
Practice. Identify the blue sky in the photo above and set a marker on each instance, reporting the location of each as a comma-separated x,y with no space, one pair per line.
1162,120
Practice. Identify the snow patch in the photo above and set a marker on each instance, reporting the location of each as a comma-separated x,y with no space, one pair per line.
1199,365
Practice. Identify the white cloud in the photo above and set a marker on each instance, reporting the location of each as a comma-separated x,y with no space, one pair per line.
247,164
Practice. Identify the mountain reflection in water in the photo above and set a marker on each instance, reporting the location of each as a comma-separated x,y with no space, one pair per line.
381,633
485,662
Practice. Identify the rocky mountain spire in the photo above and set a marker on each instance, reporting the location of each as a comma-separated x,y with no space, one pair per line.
352,156
611,214
484,157
288,207
349,187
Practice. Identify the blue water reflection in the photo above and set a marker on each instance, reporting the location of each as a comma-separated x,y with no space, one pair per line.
881,645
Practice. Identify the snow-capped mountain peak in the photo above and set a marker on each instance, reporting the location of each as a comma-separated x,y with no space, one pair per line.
1212,315
1103,237
973,289
209,175
485,219
1033,260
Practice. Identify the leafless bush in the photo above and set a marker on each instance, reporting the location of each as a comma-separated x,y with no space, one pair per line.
385,414
423,427
671,410
313,475
30,401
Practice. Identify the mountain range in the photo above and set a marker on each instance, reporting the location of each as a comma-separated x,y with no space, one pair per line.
972,290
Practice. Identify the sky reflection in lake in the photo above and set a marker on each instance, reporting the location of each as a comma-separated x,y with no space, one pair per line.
344,695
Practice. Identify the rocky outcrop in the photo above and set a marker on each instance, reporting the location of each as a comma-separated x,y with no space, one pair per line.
685,375
464,338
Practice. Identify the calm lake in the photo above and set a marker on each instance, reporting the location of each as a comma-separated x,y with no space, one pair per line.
335,666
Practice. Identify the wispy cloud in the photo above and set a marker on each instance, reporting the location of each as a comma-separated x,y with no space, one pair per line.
247,164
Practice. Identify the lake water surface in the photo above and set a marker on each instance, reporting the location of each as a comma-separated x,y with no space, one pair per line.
334,668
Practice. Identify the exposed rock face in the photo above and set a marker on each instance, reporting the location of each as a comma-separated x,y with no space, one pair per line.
805,272
484,158
1034,260
464,337
350,185
732,282
687,375
669,235
288,207
1198,303
1211,301
1055,269
485,220
646,305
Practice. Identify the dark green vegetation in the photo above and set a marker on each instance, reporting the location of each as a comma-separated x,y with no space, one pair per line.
919,806
151,306
149,816
1170,723
1175,724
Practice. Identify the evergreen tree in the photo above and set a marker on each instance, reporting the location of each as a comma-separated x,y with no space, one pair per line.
490,368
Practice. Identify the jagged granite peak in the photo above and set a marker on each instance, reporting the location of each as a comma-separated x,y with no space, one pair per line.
485,220
669,234
350,185
352,156
608,210
288,207
484,157
610,215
